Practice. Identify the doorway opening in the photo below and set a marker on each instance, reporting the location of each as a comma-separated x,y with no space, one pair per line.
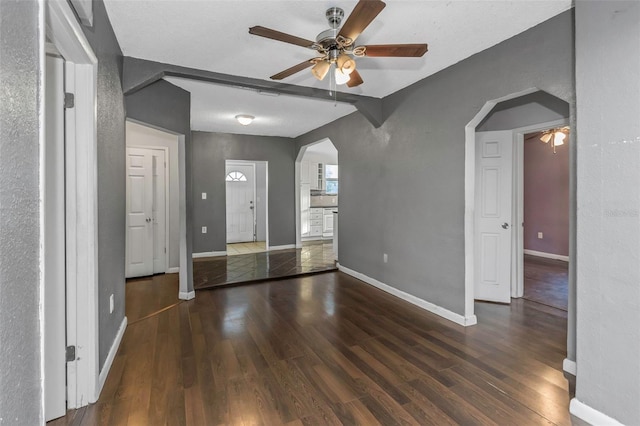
512,117
153,201
545,207
246,187
317,183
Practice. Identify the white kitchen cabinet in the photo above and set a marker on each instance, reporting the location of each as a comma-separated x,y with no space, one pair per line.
316,222
327,223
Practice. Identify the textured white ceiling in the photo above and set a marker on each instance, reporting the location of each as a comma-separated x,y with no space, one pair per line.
214,107
213,35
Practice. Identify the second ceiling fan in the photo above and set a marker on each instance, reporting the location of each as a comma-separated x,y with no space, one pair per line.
337,47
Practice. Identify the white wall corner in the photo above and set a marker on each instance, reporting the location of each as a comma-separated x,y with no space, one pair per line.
421,303
187,295
591,415
110,357
209,254
570,367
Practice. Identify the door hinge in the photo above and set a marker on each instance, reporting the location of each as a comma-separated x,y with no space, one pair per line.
69,100
165,249
71,353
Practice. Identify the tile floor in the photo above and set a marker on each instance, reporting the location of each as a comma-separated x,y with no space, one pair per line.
246,248
314,256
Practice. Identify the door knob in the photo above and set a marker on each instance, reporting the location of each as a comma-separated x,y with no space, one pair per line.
148,219
505,225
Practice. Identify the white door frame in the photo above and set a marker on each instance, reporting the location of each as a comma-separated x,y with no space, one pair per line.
62,28
517,256
469,200
166,194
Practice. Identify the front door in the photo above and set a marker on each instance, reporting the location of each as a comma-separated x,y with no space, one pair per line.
240,188
493,210
145,207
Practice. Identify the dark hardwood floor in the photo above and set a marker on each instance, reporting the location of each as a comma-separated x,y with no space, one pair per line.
329,349
546,281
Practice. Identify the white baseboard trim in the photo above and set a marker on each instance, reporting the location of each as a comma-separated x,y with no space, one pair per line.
284,247
570,367
209,254
546,255
187,295
428,306
591,415
111,356
174,270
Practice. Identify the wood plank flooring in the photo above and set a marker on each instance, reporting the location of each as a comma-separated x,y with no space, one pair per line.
546,281
329,349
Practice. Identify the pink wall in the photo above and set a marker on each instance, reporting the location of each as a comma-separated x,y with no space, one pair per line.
546,197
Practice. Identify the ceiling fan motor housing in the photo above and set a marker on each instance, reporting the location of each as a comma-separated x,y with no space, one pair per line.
334,16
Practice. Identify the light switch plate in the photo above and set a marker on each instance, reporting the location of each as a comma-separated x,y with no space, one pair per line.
204,195
204,229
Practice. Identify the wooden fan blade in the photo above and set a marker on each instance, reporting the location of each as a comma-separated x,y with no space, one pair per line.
362,15
290,71
277,35
355,79
396,50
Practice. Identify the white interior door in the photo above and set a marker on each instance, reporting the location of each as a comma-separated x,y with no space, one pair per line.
240,189
54,243
139,205
493,209
146,252
159,165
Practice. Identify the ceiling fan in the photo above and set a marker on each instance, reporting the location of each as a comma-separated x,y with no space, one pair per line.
556,136
337,47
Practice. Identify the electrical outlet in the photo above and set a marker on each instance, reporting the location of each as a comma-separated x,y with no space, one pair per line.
204,195
204,229
385,258
111,304
539,235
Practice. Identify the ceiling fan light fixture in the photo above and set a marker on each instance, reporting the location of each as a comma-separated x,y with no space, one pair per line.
341,78
558,138
245,119
320,69
346,64
546,137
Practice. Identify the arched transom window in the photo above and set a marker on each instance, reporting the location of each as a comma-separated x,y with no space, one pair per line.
236,177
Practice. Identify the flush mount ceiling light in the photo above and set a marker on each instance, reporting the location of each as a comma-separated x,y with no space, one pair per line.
336,47
556,136
245,119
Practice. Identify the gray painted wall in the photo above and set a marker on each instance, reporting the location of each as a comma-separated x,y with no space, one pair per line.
20,97
608,127
402,185
536,108
168,107
111,176
210,151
